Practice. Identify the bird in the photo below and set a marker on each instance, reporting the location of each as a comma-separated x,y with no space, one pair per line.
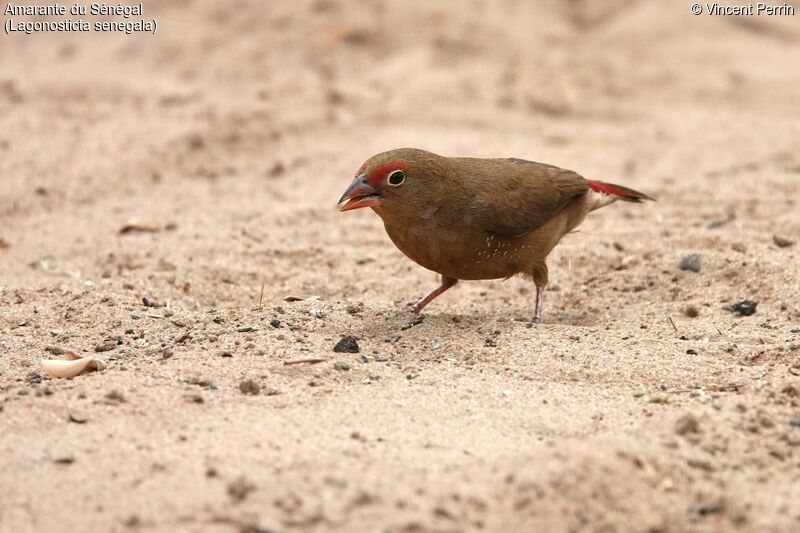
470,218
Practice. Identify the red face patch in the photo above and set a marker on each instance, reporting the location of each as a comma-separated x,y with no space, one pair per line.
377,175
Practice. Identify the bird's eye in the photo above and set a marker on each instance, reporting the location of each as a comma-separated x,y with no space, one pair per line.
396,178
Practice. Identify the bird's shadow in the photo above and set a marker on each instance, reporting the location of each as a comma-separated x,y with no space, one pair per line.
447,326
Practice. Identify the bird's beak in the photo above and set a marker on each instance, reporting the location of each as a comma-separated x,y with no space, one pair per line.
359,194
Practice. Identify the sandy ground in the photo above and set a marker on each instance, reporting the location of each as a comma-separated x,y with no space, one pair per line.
234,130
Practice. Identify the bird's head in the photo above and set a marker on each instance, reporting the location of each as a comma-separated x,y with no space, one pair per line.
392,180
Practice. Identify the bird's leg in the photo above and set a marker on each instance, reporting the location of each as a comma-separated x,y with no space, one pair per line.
540,279
537,313
446,284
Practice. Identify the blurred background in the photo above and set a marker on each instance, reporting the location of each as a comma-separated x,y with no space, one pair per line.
253,117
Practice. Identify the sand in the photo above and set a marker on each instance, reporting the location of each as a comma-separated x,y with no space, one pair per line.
228,137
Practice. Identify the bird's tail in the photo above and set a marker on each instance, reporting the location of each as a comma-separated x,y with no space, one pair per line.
618,192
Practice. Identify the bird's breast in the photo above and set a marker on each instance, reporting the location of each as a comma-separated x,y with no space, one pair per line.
461,253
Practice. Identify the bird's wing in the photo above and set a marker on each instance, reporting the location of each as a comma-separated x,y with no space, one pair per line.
516,196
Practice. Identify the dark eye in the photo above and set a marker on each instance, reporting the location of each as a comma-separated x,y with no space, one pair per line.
396,178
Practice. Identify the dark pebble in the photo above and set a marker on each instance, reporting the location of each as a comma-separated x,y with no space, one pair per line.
795,422
341,365
115,396
490,342
691,262
148,302
66,460
346,344
692,311
105,346
226,354
249,386
745,307
275,323
239,490
687,424
691,351
782,242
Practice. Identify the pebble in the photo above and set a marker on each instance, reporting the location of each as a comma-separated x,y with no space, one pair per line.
341,365
795,422
226,354
745,307
249,386
782,242
687,424
354,309
275,323
78,418
691,262
66,460
239,489
692,311
346,344
115,396
318,313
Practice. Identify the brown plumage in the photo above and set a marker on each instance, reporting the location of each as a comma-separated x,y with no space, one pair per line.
469,218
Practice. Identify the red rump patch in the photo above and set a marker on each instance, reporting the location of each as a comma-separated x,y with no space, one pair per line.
379,173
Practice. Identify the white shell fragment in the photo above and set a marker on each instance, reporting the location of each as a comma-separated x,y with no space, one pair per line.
318,313
75,365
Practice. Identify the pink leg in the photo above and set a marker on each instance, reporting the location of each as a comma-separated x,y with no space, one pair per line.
446,284
537,314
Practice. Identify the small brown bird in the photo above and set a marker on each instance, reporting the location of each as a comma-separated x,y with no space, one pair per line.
469,218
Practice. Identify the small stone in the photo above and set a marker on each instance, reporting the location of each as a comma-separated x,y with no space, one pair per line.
147,302
226,354
166,353
239,489
781,242
341,365
692,311
65,460
245,329
745,307
115,396
490,342
691,263
687,424
78,418
275,323
354,309
795,422
318,313
346,344
196,398
249,386
105,346
691,351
